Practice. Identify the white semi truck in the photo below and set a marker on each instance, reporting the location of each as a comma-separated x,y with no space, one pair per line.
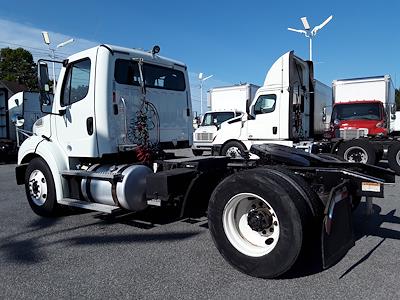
21,109
290,108
227,103
100,148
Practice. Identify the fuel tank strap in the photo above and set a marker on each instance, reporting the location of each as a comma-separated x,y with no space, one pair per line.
114,185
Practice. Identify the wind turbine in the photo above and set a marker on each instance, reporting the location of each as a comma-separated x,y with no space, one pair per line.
310,33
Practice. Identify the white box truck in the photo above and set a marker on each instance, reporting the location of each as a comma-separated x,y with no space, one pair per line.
363,120
95,149
236,97
227,103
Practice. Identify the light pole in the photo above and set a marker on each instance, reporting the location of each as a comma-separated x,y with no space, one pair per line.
310,33
202,79
46,39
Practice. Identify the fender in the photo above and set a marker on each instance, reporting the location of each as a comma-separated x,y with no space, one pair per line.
57,161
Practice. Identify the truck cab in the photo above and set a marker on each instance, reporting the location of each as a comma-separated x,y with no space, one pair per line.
284,110
211,122
109,101
367,116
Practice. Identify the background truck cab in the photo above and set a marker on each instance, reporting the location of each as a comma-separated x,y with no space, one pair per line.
363,106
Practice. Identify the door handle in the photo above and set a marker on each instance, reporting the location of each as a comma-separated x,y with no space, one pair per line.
89,125
274,130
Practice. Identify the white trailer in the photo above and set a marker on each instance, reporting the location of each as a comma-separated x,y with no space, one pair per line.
100,148
236,97
21,106
227,104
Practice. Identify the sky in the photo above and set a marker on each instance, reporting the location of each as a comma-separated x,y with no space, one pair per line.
235,41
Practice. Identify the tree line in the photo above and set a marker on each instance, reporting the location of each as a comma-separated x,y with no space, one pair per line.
17,65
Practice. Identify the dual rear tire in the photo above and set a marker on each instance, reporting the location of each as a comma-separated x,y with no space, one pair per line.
259,220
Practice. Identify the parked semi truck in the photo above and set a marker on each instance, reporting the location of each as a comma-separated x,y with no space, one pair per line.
364,119
21,106
291,109
100,147
227,103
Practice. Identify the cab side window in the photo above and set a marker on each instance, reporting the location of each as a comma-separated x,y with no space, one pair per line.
265,104
76,84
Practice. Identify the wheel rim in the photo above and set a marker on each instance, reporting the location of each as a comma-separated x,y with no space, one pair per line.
37,187
356,154
233,152
251,224
398,158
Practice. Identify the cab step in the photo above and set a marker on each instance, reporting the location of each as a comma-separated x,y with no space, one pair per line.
108,176
109,209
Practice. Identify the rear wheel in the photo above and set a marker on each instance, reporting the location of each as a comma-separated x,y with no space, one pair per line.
233,149
40,189
257,221
394,157
360,151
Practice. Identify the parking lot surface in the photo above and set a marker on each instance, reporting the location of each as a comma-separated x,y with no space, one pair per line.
90,255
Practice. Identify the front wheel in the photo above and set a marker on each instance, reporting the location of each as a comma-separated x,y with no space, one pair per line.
40,188
257,222
233,149
360,151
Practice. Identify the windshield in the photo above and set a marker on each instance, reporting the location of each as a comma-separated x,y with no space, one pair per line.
356,111
216,118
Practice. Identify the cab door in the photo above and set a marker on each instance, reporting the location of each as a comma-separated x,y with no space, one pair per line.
265,125
76,124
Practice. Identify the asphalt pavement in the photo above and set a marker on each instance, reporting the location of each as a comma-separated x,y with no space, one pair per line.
92,256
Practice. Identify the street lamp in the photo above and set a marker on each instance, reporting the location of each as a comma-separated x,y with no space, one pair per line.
46,39
310,34
202,79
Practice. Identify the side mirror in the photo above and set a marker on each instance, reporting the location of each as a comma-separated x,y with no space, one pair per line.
44,87
17,120
43,77
393,109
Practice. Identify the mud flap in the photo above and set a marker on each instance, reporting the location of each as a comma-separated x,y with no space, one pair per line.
337,230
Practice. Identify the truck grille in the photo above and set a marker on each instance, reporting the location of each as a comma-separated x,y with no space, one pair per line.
348,134
204,136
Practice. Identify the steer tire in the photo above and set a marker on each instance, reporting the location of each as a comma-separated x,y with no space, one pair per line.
38,177
363,146
226,149
394,157
283,201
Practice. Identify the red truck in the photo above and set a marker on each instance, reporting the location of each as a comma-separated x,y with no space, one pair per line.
363,121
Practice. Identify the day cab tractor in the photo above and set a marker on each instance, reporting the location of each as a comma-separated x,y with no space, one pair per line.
100,146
